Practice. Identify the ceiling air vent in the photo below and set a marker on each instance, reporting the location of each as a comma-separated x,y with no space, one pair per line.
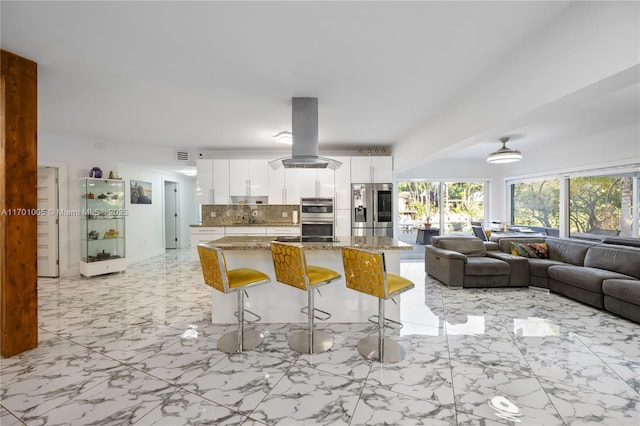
182,155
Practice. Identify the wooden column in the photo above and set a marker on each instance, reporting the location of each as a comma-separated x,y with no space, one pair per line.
18,204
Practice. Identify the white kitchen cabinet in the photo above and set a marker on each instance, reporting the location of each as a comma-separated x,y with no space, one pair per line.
221,181
293,185
248,178
285,185
283,230
372,169
245,231
212,181
343,223
325,183
312,182
342,184
203,234
204,182
277,189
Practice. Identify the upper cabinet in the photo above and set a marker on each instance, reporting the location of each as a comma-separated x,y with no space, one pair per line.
248,178
284,186
342,184
221,181
212,182
374,169
315,182
204,182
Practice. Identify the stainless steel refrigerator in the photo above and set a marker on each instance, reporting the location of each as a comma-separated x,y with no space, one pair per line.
372,209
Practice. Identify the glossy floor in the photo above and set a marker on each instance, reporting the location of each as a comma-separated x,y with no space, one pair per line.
138,348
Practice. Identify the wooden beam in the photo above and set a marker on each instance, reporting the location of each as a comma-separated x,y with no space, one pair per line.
18,205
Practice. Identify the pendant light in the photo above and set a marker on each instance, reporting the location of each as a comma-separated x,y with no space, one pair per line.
504,154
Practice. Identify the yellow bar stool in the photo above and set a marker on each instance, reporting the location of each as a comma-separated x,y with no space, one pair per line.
290,265
216,275
366,272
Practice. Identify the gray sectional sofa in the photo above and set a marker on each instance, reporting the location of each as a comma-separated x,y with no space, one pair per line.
605,276
463,262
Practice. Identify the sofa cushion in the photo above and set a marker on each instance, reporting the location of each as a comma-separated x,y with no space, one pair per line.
622,297
569,250
627,290
505,242
486,266
469,246
581,276
533,250
622,259
538,267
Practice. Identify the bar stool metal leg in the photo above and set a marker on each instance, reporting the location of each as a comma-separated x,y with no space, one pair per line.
377,348
310,341
241,339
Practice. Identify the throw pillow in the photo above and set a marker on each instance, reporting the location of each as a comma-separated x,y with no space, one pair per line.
534,250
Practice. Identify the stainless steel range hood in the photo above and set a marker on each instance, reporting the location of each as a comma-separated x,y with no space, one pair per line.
304,126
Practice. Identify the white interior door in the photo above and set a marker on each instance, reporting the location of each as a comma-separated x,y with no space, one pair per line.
48,222
171,215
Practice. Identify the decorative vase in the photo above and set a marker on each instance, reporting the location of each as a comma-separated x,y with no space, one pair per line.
96,172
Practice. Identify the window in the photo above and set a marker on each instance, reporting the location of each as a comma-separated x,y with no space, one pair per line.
463,202
593,205
536,203
420,202
601,205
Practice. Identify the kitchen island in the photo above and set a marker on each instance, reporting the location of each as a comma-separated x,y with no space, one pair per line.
279,303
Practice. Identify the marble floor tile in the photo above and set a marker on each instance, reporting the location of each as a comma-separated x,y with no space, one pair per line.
577,404
183,361
8,419
184,408
308,396
378,406
499,395
240,381
493,352
421,376
124,398
139,348
570,362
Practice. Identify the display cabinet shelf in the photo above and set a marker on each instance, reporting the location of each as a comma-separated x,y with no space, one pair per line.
103,239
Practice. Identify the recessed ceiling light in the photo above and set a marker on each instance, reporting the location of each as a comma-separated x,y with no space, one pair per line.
284,137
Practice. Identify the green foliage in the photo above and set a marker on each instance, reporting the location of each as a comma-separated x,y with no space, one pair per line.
423,198
461,198
536,203
594,203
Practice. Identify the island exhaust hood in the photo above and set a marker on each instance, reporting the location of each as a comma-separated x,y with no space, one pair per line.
304,126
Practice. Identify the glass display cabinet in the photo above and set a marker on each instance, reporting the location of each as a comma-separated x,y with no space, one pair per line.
102,229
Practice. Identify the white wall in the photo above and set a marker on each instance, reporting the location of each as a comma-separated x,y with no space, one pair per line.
590,42
75,156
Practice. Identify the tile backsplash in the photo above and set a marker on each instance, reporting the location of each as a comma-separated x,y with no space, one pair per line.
248,214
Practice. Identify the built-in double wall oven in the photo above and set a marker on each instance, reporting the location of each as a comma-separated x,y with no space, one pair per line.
317,219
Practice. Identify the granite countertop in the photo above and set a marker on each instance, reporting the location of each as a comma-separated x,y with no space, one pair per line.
263,243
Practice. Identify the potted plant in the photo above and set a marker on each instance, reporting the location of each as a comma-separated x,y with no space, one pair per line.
427,223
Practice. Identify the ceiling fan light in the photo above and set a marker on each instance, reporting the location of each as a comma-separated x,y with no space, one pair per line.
504,154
